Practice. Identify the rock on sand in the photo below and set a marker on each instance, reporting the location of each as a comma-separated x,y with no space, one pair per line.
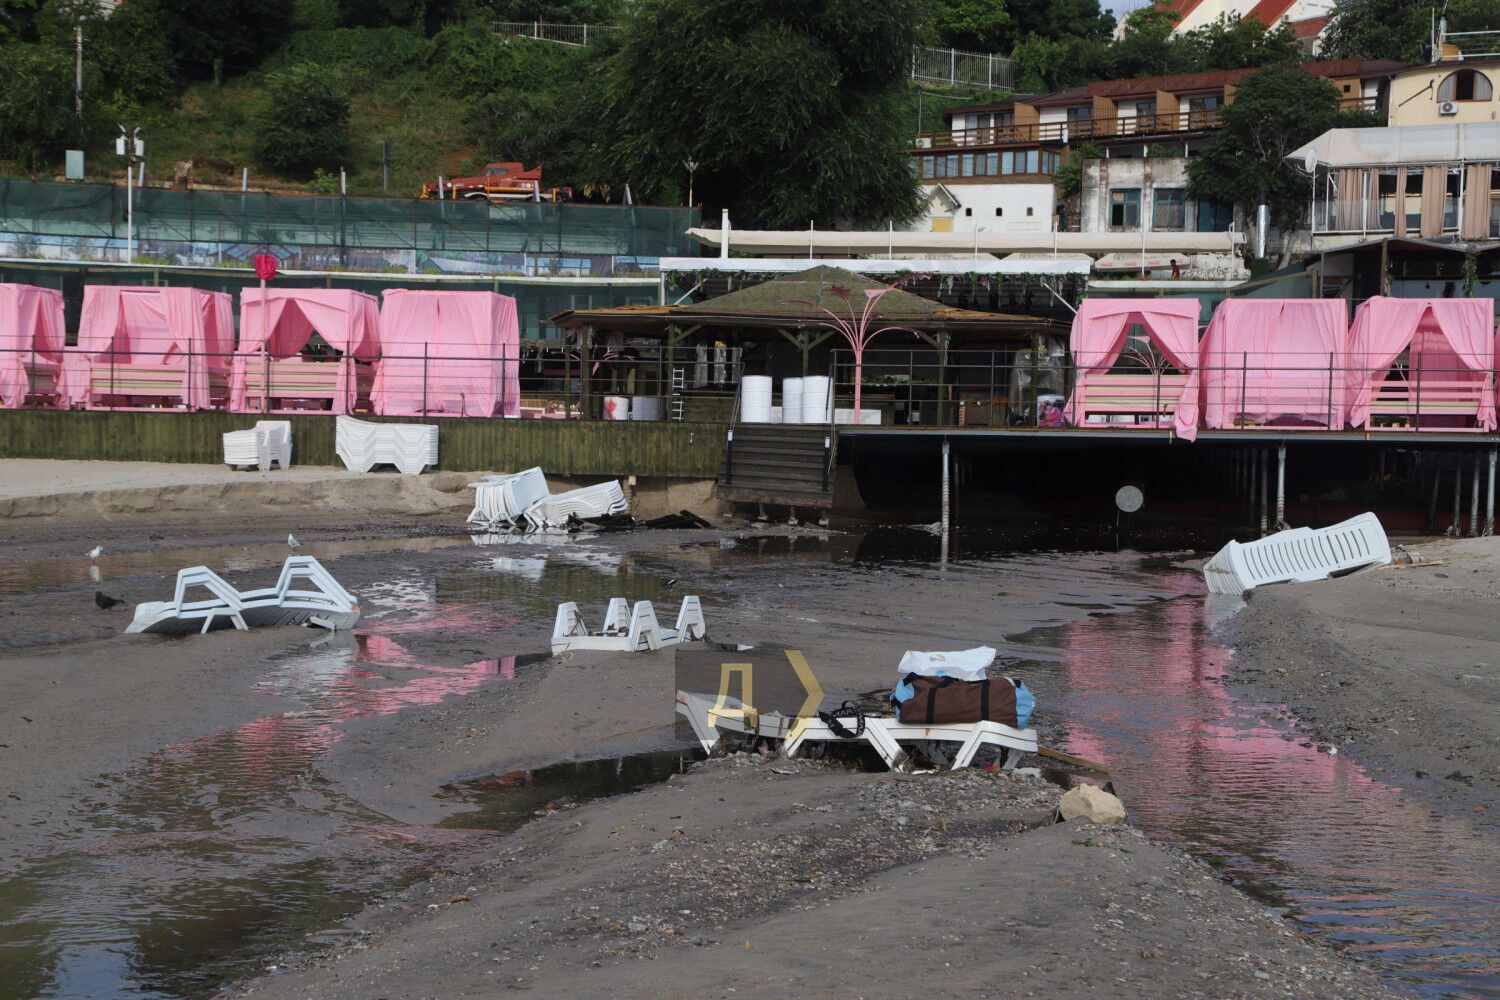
1092,805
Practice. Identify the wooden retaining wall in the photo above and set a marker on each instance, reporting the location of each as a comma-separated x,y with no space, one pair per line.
561,447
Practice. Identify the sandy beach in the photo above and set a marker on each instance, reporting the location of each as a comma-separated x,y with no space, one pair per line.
133,763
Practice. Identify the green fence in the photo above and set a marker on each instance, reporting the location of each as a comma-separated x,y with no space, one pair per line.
561,447
97,211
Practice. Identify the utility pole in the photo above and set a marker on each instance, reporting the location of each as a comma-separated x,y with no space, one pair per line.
129,145
692,168
78,82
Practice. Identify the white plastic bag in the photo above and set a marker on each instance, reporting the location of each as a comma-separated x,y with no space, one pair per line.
962,664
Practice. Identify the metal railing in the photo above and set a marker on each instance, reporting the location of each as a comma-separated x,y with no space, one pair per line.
563,34
1119,127
956,68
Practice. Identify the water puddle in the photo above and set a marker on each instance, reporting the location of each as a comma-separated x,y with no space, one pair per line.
1357,862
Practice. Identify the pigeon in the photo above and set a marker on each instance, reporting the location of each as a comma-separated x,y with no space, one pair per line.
104,602
291,541
95,552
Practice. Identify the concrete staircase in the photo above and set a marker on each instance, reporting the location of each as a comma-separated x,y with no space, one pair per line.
779,464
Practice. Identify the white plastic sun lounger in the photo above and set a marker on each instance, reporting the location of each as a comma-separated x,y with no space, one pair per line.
627,628
304,594
362,445
501,501
601,500
954,745
269,441
1298,555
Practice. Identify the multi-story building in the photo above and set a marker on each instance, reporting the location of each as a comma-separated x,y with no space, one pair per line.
1307,19
993,166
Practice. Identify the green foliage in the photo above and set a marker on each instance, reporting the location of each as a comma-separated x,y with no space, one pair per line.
979,25
1001,25
361,55
37,82
1399,29
792,111
324,182
1276,110
470,60
303,121
1069,177
557,11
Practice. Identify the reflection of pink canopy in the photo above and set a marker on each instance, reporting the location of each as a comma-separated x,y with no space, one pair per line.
139,325
1275,360
1098,337
1452,340
347,320
465,345
31,326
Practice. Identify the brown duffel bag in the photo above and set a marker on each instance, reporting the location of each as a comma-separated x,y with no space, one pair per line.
943,700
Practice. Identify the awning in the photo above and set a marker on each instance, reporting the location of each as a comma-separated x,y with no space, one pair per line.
983,264
884,243
1402,145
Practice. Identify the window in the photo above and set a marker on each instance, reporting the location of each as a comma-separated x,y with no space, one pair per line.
1142,117
1215,216
992,164
952,165
1124,208
968,165
1033,161
927,166
1465,85
1450,201
1000,211
1413,206
1203,110
1028,211
1050,162
1007,163
1081,114
968,213
1170,210
1385,201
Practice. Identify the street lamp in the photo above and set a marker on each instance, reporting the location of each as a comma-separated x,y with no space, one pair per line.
692,168
130,146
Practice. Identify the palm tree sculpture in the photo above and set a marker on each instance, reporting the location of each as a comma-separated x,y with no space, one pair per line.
856,329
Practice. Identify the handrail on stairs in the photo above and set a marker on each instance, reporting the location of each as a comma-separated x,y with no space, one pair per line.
734,418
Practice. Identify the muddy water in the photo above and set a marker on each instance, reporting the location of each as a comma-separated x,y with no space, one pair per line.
1357,862
206,857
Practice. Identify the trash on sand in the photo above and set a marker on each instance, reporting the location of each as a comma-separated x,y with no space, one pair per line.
363,445
304,594
522,500
1298,555
1404,558
627,628
964,664
952,746
267,442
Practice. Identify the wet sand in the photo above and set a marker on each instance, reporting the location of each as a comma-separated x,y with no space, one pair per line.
801,876
1399,667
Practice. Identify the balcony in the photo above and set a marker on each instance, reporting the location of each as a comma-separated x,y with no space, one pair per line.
1061,133
1361,104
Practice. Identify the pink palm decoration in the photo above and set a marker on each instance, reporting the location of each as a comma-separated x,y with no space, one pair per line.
856,329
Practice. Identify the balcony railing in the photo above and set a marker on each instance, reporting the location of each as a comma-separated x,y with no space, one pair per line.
1119,127
1360,104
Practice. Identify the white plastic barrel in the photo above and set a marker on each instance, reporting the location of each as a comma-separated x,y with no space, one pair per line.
616,408
791,401
816,401
646,408
755,399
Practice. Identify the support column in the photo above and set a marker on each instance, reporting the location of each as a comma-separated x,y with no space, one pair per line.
1489,497
1281,486
1474,501
1437,483
1265,469
1456,529
945,523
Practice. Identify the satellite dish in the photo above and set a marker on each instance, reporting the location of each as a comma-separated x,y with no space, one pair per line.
1310,161
1129,499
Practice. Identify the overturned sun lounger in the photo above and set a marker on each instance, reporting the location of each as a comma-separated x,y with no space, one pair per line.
954,745
500,501
627,628
1298,555
305,594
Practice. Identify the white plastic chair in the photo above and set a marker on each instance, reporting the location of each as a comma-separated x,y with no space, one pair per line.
1298,555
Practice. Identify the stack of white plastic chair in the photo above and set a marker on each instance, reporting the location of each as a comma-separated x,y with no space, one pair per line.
1298,555
603,500
362,445
501,501
319,600
269,441
627,628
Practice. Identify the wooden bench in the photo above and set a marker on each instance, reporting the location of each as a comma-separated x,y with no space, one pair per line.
41,383
293,379
136,384
1404,404
1137,395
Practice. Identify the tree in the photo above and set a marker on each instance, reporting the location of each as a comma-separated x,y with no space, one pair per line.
1235,42
981,25
303,123
211,39
1276,110
792,110
1400,29
36,91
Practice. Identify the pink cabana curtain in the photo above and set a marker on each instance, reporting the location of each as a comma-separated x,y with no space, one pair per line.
1275,361
1098,337
454,353
151,325
31,326
348,320
1450,340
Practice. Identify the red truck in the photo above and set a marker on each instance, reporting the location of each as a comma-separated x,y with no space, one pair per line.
499,182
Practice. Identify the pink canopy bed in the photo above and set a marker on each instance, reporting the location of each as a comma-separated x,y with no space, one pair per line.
271,371
1448,380
448,353
32,338
1096,343
150,346
1275,361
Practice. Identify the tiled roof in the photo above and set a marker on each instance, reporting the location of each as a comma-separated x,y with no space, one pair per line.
1309,27
1268,12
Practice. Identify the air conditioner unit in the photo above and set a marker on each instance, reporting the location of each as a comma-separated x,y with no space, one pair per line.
924,142
1448,108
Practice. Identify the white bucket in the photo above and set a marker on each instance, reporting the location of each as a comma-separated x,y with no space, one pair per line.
791,401
755,399
646,408
616,408
817,404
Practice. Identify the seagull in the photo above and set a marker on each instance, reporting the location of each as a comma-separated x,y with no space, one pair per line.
104,602
672,582
95,552
291,541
